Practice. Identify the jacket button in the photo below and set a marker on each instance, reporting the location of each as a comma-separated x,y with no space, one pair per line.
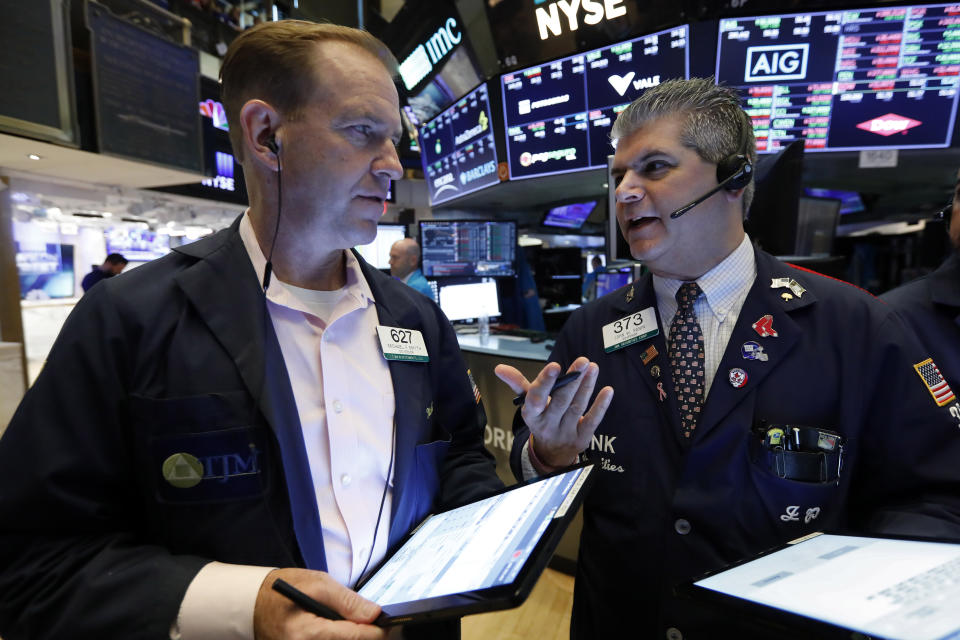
337,406
674,634
682,527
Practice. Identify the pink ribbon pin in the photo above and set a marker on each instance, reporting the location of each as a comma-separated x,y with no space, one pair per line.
663,394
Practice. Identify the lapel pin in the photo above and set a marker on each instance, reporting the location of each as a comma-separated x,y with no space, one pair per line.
764,327
778,283
738,377
753,351
655,371
430,411
649,354
663,394
629,296
786,296
182,470
796,288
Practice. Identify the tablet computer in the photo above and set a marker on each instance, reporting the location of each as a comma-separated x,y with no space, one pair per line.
479,557
883,587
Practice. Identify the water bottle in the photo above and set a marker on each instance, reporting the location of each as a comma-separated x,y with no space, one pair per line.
483,329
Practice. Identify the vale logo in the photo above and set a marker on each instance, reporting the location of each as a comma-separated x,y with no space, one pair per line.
620,84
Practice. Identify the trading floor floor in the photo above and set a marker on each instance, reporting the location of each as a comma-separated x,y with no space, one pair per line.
545,615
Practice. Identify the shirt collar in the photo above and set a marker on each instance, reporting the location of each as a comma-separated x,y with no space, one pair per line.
723,285
290,296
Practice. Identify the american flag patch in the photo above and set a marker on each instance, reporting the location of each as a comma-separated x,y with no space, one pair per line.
933,380
476,389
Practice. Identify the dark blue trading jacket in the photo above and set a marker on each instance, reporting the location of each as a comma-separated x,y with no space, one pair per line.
664,510
168,359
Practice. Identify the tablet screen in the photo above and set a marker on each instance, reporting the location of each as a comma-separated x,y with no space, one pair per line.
878,586
477,546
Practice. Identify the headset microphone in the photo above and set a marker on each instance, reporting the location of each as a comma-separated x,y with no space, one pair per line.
733,172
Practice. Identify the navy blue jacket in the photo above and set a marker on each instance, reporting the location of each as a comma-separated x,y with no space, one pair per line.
664,510
931,306
179,356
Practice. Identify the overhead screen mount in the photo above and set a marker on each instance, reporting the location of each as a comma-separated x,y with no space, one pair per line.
558,114
849,80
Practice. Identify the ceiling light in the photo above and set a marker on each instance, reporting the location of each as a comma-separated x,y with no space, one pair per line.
33,156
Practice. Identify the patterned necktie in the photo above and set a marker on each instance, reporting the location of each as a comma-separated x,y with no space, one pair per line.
686,358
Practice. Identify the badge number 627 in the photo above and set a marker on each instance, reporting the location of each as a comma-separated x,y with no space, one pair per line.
401,336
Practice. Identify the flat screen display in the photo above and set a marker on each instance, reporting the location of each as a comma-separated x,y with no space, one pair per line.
137,245
882,78
468,247
457,149
884,588
569,216
850,201
471,300
558,115
45,270
611,281
377,253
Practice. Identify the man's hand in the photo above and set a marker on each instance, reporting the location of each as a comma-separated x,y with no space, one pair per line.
559,426
277,618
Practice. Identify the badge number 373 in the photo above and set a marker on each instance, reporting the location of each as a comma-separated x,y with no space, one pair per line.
629,330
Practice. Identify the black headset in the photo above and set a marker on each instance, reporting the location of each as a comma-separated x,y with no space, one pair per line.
733,172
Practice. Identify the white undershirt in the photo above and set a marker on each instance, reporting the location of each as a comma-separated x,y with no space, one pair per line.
344,396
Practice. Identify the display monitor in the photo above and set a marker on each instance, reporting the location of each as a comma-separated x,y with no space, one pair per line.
850,201
137,245
847,79
457,149
468,247
45,270
569,216
377,253
612,280
558,115
465,301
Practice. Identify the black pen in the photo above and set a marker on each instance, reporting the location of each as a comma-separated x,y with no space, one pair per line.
562,381
304,601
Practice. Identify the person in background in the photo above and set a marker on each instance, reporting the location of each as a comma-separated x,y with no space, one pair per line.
931,304
755,402
226,415
404,265
590,280
113,265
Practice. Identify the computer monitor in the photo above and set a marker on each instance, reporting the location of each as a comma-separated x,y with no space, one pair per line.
468,247
377,253
569,216
846,80
465,301
850,201
612,280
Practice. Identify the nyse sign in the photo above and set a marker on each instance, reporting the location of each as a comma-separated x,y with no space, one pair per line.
550,19
425,57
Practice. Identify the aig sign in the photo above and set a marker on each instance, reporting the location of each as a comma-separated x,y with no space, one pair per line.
776,62
423,59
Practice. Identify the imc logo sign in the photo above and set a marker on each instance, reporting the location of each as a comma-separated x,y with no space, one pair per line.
776,62
889,124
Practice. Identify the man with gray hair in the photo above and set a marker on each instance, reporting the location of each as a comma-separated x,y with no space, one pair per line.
755,401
